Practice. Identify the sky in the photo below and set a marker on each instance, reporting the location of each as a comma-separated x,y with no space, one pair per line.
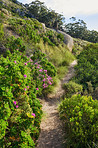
86,10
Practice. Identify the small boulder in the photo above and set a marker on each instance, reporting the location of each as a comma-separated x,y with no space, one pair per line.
2,49
44,27
5,11
68,40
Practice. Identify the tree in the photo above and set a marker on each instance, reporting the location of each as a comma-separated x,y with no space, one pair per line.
78,29
45,15
35,8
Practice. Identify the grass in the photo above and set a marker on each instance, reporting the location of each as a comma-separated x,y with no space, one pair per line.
60,56
62,71
78,46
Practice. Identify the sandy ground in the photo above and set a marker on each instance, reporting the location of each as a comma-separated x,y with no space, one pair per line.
52,131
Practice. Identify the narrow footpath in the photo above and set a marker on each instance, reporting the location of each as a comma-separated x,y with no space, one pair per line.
52,133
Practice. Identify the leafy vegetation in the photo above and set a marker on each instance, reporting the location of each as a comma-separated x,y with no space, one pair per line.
26,28
79,114
20,111
24,78
79,45
59,55
45,15
72,88
78,29
31,30
36,9
12,43
86,70
1,31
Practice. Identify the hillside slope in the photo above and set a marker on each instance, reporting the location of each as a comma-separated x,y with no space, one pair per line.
30,34
34,60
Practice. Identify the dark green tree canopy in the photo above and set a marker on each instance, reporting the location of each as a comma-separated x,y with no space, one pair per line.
45,15
78,29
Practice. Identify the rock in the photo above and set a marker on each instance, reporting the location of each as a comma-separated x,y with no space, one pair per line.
2,49
68,40
44,27
5,11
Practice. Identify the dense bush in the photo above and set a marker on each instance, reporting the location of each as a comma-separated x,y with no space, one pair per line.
60,36
78,29
86,70
31,29
41,57
80,114
13,43
54,37
26,28
46,39
1,31
72,88
20,111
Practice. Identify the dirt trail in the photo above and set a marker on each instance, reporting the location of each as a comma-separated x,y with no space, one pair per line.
52,134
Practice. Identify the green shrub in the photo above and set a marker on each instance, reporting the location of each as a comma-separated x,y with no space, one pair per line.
60,36
21,80
1,31
46,39
12,43
80,114
54,37
86,69
2,16
72,88
27,28
41,57
95,93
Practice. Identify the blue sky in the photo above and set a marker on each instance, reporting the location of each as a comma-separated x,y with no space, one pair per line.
86,10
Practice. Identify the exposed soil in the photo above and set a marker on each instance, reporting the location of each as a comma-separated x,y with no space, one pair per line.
52,133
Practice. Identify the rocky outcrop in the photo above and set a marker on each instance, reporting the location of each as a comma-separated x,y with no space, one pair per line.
44,27
2,49
68,40
5,11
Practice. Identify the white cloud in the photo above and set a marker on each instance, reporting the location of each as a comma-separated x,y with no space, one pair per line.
73,7
70,7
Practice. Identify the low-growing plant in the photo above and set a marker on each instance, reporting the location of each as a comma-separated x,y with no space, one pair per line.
53,38
42,58
25,28
1,31
13,43
72,88
60,36
20,111
46,39
86,69
80,114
